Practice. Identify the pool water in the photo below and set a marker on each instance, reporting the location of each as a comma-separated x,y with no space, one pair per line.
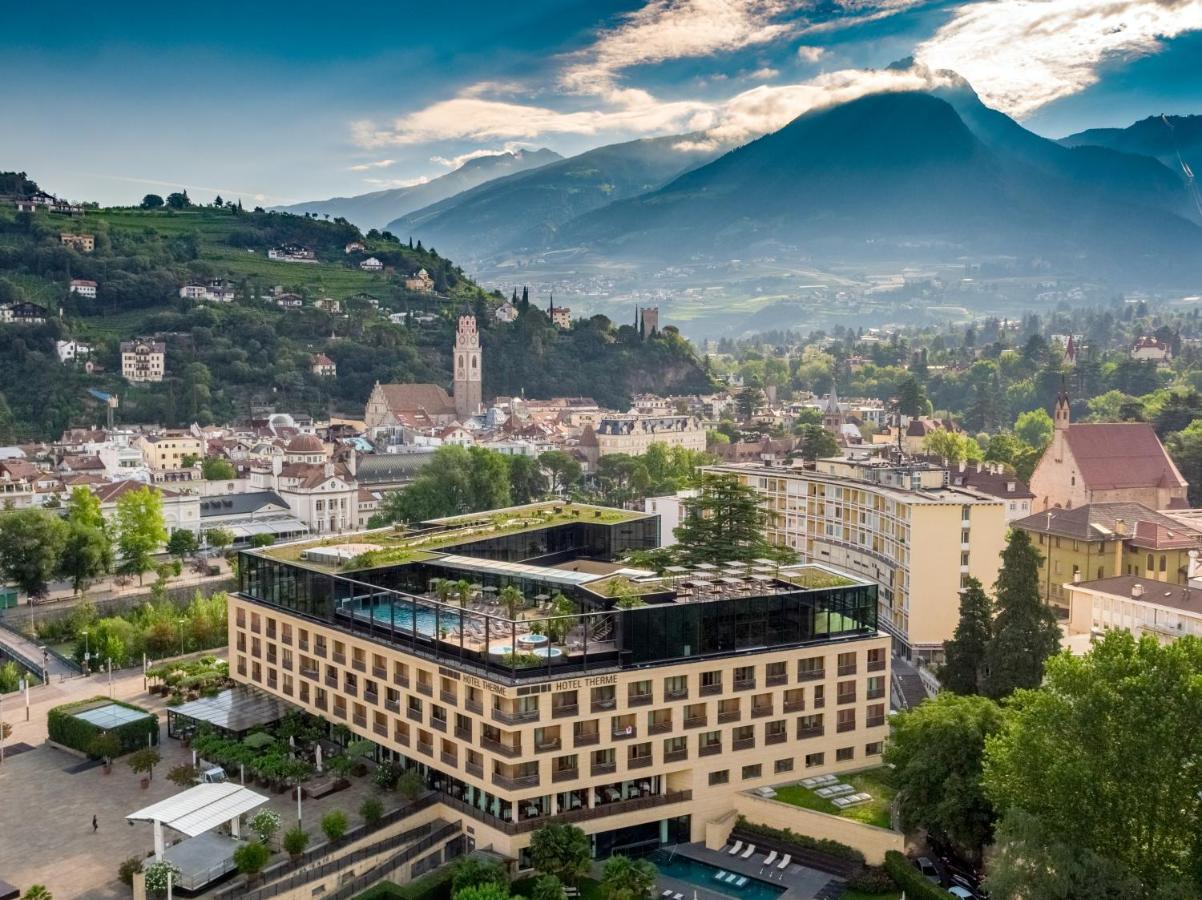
704,876
383,612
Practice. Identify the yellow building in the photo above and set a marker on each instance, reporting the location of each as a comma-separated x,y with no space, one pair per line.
1107,540
1138,605
894,523
640,725
634,433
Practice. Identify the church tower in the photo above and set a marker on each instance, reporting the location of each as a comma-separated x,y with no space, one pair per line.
467,385
832,415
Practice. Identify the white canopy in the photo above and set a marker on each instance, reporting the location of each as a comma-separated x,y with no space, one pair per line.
201,808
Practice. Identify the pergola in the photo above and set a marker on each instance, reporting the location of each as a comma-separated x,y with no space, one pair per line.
236,711
197,810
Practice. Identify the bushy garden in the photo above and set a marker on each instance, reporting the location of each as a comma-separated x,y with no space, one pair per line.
65,728
184,681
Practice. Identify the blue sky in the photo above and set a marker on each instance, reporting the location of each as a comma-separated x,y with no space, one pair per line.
276,103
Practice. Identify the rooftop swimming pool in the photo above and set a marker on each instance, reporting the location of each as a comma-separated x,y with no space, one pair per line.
400,615
719,881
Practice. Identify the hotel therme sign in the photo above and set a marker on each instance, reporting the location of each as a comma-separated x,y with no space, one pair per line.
569,684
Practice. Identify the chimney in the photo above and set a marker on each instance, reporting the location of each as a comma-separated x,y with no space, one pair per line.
1120,527
1077,577
1137,590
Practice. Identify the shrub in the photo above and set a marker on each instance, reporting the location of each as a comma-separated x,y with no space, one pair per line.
387,775
548,887
184,776
371,810
296,841
469,871
910,880
64,728
804,841
411,785
334,824
489,891
871,880
265,823
156,875
250,858
128,869
435,886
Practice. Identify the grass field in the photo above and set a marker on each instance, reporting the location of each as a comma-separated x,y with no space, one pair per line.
873,781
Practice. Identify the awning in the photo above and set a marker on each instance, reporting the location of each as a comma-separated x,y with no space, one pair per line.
238,709
201,808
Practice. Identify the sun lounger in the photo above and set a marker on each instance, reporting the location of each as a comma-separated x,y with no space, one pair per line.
746,854
734,851
666,894
770,858
784,863
722,873
678,897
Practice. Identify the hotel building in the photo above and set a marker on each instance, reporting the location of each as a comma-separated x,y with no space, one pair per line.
898,524
638,723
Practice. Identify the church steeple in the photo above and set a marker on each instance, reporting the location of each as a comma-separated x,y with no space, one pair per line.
467,388
1060,416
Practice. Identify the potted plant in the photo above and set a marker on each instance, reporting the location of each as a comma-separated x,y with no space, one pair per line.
265,823
156,875
250,859
145,760
105,746
296,840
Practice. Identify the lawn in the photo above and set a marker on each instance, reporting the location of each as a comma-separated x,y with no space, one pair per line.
874,812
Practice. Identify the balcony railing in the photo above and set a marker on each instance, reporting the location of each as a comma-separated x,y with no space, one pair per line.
515,717
339,658
794,705
440,724
624,734
639,699
332,681
474,706
450,759
814,731
639,762
464,734
844,699
565,774
413,714
846,726
773,680
659,727
514,784
448,697
584,814
876,665
392,705
371,697
676,755
425,748
380,728
564,710
400,680
495,746
758,712
746,684
847,670
379,672
474,769
359,720
731,715
586,739
547,745
778,738
359,665
695,722
874,721
607,768
710,750
603,704
678,694
743,744
811,675
425,688
708,690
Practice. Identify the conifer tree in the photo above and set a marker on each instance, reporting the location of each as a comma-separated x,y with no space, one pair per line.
964,654
1025,632
525,298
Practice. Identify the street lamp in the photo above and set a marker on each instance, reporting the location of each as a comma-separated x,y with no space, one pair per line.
181,636
85,650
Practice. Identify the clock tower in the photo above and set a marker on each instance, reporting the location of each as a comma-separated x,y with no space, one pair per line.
467,384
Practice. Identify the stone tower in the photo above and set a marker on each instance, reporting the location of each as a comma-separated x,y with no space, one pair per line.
467,385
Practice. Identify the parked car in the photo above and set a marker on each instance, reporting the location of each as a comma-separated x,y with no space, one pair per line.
213,775
925,866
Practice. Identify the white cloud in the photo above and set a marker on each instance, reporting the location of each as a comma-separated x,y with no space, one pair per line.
378,164
1020,55
763,74
454,162
810,54
396,182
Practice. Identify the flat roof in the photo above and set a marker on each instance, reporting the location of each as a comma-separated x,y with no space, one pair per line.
111,715
520,570
236,709
1161,593
201,808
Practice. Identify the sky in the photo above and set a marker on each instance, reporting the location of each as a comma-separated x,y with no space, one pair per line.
277,103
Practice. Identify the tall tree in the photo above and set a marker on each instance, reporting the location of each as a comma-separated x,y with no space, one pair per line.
937,752
725,523
816,443
83,508
1105,758
141,529
964,655
911,398
526,480
563,469
1025,632
31,541
87,554
561,850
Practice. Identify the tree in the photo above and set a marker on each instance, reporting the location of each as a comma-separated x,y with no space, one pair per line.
488,891
564,470
623,878
250,858
31,541
964,655
471,871
144,760
87,553
214,468
334,824
937,752
178,200
816,443
526,480
219,538
261,540
265,823
725,523
547,887
1186,448
141,529
1034,428
182,542
152,201
1025,632
83,508
511,598
156,875
952,446
37,892
563,851
1069,756
105,746
911,398
296,841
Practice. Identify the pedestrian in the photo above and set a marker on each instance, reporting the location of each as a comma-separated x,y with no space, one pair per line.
95,825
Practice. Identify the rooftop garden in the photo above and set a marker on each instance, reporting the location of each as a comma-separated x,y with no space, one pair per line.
872,812
813,578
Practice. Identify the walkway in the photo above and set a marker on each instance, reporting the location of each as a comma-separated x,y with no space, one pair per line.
30,653
799,882
909,689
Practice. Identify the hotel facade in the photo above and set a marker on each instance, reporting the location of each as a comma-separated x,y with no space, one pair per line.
899,525
638,724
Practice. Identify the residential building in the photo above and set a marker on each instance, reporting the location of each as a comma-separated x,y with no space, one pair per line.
328,304
322,366
506,312
1165,611
561,316
421,282
319,492
83,287
467,387
292,253
371,264
671,510
354,247
71,350
289,300
143,361
895,523
993,479
215,290
634,433
23,313
84,243
171,451
1107,462
1151,349
641,726
1106,540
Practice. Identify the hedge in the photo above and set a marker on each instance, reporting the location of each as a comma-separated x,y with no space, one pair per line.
65,729
910,880
788,836
435,886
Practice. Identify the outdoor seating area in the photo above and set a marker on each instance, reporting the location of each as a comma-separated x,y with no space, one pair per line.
772,866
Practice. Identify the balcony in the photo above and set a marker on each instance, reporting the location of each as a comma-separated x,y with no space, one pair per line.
400,680
321,703
514,784
758,712
286,639
874,721
332,681
695,722
813,732
605,703
659,727
639,762
731,715
778,738
392,705
371,697
586,738
339,658
708,690
439,725
545,746
710,750
302,644
774,680
507,750
564,710
414,715
464,734
449,697
875,694
794,706
423,747
672,756
565,774
518,717
425,688
624,734
350,688
359,665
401,737
359,720
449,759
743,744
681,694
474,769
639,699
340,712
844,699
747,684
311,674
846,726
811,675
379,672
380,728
846,670
876,665
607,768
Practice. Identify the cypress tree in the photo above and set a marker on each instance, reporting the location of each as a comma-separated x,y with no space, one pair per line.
1025,632
964,654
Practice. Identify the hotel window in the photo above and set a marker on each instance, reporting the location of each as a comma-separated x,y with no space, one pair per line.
750,772
814,759
783,765
845,720
722,777
874,749
676,687
843,754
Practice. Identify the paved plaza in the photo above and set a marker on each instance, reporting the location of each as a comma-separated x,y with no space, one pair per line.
46,806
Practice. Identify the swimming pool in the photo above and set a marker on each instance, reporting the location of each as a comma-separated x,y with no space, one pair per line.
703,875
383,612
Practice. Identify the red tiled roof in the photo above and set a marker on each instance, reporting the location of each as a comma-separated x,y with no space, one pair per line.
1119,455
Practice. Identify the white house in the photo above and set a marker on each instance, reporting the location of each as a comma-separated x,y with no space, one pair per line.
371,264
83,287
292,253
70,350
506,312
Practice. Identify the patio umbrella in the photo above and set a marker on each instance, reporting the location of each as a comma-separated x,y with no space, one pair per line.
319,759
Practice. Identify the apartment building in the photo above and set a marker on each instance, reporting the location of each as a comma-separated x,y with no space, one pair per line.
634,433
896,523
639,725
143,361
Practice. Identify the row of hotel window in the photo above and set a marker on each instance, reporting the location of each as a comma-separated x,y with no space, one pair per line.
784,766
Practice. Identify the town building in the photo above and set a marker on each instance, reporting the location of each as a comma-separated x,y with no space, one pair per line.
180,510
1105,462
322,366
170,451
354,247
642,726
633,434
319,492
506,312
328,304
671,509
84,243
895,523
420,282
371,264
71,350
83,287
143,361
292,253
561,316
35,201
23,313
1106,540
993,479
648,323
215,290
1151,349
415,405
289,300
251,513
467,389
1165,611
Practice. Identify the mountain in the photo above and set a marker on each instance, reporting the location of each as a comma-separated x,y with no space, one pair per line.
378,208
525,210
909,175
1161,137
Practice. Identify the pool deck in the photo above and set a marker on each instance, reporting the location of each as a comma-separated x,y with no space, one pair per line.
799,882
